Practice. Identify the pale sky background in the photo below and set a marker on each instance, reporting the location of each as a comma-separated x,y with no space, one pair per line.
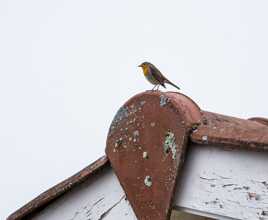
67,66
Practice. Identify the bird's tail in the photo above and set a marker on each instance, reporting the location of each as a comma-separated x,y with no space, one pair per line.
168,82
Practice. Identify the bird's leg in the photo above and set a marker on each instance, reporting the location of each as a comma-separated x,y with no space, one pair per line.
157,88
153,87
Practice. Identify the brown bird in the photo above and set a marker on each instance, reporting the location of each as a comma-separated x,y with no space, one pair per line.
154,76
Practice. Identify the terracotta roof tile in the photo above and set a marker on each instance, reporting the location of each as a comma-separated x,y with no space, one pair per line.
263,121
230,131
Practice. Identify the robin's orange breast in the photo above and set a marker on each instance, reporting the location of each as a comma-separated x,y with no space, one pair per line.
151,79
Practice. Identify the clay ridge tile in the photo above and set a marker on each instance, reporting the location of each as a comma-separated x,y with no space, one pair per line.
231,132
263,121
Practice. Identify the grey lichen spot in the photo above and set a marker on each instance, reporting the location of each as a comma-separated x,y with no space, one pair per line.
195,127
205,121
118,142
205,138
163,100
169,144
145,155
142,103
136,133
148,181
152,124
121,114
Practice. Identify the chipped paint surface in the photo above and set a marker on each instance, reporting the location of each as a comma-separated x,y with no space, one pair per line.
101,199
226,183
169,144
59,189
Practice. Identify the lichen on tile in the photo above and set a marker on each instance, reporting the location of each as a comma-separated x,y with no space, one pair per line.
148,181
163,100
121,114
170,145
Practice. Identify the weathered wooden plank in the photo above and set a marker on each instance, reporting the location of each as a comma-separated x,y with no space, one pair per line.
99,198
225,183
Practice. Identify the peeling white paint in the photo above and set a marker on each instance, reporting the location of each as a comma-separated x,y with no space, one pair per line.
215,183
99,198
227,183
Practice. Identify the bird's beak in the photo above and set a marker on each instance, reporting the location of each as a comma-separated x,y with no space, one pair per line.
139,65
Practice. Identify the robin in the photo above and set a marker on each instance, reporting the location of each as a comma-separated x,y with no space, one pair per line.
154,76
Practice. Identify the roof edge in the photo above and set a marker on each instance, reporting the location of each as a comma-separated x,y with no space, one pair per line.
231,132
51,194
261,120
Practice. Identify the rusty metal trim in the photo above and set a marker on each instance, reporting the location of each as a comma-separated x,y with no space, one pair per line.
50,195
231,132
263,121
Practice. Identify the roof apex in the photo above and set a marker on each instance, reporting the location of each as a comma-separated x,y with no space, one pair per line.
204,128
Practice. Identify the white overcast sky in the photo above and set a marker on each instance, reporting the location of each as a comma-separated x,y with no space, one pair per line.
67,66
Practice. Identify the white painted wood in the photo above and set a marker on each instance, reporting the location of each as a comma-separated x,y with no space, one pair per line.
233,184
214,183
101,197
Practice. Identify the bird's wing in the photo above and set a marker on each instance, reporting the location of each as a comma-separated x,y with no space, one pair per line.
157,75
